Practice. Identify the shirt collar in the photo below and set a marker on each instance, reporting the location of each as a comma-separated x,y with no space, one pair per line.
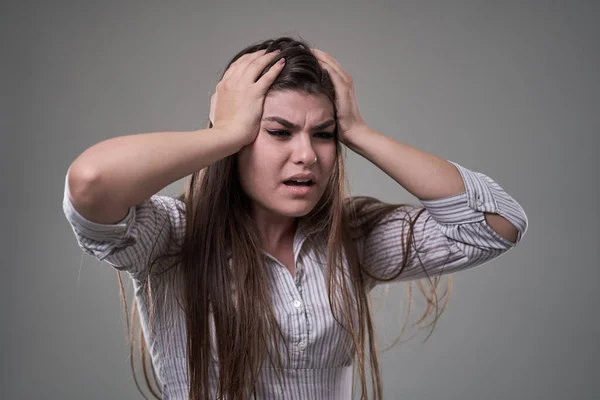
303,231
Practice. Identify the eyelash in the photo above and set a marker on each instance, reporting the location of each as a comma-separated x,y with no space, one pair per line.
283,133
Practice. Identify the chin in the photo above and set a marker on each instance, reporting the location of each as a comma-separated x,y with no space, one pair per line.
291,207
299,210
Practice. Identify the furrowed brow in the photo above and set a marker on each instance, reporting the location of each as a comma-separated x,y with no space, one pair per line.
291,125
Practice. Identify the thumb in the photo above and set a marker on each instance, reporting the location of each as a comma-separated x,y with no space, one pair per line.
213,107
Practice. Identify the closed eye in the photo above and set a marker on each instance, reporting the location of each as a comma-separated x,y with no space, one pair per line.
278,133
284,133
325,135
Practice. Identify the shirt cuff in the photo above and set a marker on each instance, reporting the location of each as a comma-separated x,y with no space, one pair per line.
466,207
94,230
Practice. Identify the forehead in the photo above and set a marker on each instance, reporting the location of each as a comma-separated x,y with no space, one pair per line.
298,106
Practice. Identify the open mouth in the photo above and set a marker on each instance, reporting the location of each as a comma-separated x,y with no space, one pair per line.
293,182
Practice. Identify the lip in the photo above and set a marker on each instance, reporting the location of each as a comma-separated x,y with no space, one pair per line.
303,176
300,190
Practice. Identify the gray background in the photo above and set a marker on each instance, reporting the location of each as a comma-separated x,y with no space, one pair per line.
509,89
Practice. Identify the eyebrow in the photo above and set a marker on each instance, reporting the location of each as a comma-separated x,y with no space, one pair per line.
291,125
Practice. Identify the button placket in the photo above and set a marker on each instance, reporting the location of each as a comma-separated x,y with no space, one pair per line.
478,201
298,303
299,272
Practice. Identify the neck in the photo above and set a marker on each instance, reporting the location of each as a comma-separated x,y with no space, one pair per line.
276,231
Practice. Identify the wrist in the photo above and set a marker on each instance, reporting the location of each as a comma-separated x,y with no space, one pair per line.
232,137
222,140
355,138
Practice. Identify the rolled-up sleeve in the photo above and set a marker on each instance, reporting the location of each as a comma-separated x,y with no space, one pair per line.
449,234
148,229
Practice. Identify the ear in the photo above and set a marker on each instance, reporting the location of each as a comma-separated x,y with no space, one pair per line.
213,106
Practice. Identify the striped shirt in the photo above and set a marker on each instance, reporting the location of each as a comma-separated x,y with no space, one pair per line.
451,235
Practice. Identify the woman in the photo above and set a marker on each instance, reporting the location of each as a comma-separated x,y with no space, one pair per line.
265,293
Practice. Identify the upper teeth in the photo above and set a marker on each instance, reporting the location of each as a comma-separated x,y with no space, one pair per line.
301,180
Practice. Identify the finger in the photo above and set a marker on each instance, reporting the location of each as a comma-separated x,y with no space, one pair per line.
332,63
267,79
241,62
213,108
254,69
338,77
241,70
320,54
338,81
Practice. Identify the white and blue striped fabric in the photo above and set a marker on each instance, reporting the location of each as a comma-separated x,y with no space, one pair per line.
451,235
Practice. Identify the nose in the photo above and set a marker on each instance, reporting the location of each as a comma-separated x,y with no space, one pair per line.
304,153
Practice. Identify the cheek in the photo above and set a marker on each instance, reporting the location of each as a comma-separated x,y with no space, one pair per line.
266,155
328,157
256,165
258,160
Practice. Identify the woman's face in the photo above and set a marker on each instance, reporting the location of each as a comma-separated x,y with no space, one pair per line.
274,168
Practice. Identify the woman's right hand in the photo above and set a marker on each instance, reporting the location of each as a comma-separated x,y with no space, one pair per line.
237,105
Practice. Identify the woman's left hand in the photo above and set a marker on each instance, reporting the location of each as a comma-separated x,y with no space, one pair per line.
349,120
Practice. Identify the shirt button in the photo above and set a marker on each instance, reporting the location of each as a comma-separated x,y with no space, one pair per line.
478,201
302,345
297,303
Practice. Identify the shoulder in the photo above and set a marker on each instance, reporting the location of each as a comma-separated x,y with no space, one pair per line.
364,213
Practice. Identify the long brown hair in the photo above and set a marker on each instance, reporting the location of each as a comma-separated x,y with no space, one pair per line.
217,271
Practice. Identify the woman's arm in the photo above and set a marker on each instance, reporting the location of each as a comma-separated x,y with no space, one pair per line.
115,174
424,175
